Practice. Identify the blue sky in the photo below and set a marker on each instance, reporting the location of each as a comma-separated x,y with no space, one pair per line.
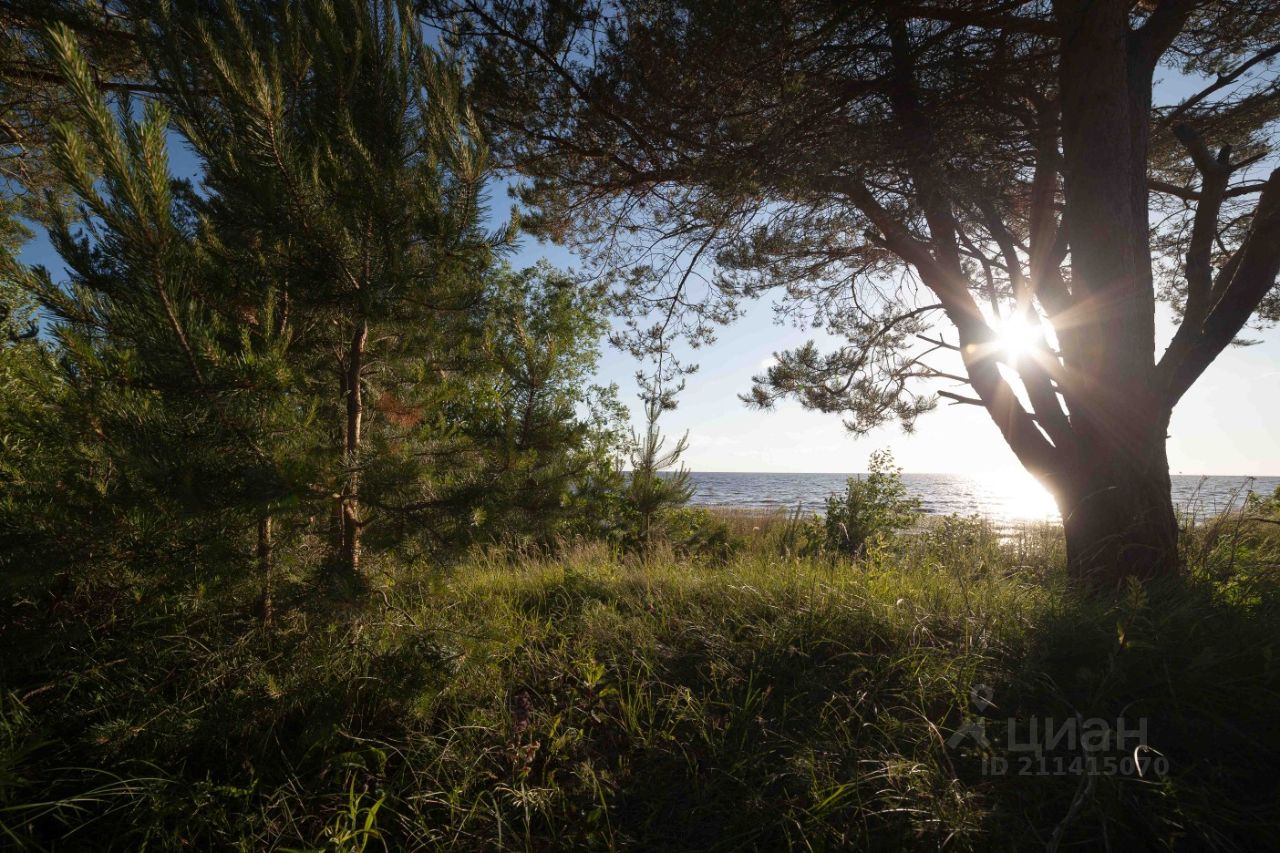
1229,423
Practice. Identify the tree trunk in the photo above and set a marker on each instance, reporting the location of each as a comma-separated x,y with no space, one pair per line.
335,517
1113,483
351,522
336,502
1117,511
266,607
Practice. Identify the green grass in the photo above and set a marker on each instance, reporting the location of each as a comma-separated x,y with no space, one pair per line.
589,701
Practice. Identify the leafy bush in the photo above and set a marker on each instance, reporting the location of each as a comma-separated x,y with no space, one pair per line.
872,507
1238,550
698,532
800,535
1267,506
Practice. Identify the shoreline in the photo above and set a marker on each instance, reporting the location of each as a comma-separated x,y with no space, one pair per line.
748,520
785,511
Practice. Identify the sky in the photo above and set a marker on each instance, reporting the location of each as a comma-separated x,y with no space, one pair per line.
1227,424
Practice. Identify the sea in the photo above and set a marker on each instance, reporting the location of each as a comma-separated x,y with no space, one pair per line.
1006,499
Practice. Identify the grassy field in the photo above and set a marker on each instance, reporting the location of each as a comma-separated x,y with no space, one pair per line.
753,700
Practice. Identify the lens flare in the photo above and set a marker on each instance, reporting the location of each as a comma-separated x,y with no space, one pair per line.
1017,337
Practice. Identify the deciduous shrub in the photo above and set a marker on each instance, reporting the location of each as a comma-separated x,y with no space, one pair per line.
874,506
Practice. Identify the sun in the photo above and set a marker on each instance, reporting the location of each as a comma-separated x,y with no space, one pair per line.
1016,337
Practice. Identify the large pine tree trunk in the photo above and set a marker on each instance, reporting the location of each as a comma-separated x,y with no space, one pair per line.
351,522
1113,485
1117,511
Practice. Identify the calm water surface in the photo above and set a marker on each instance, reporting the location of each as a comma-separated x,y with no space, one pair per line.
1006,498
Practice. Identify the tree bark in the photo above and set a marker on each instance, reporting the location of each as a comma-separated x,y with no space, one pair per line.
351,522
1113,486
266,606
336,537
1117,512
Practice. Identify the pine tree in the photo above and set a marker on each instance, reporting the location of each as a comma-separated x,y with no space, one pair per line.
313,322
172,388
544,429
340,143
652,488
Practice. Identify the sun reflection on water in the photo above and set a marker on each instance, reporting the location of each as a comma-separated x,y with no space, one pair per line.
1019,496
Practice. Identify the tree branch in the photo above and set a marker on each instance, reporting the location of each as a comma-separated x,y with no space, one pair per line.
977,338
1188,194
1214,174
1246,279
30,75
939,343
985,20
1035,371
1046,247
960,398
1221,82
1162,27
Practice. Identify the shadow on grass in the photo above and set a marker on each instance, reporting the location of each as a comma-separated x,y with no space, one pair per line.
584,702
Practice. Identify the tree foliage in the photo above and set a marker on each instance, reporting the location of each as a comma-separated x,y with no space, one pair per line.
33,94
312,338
652,487
873,506
551,435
